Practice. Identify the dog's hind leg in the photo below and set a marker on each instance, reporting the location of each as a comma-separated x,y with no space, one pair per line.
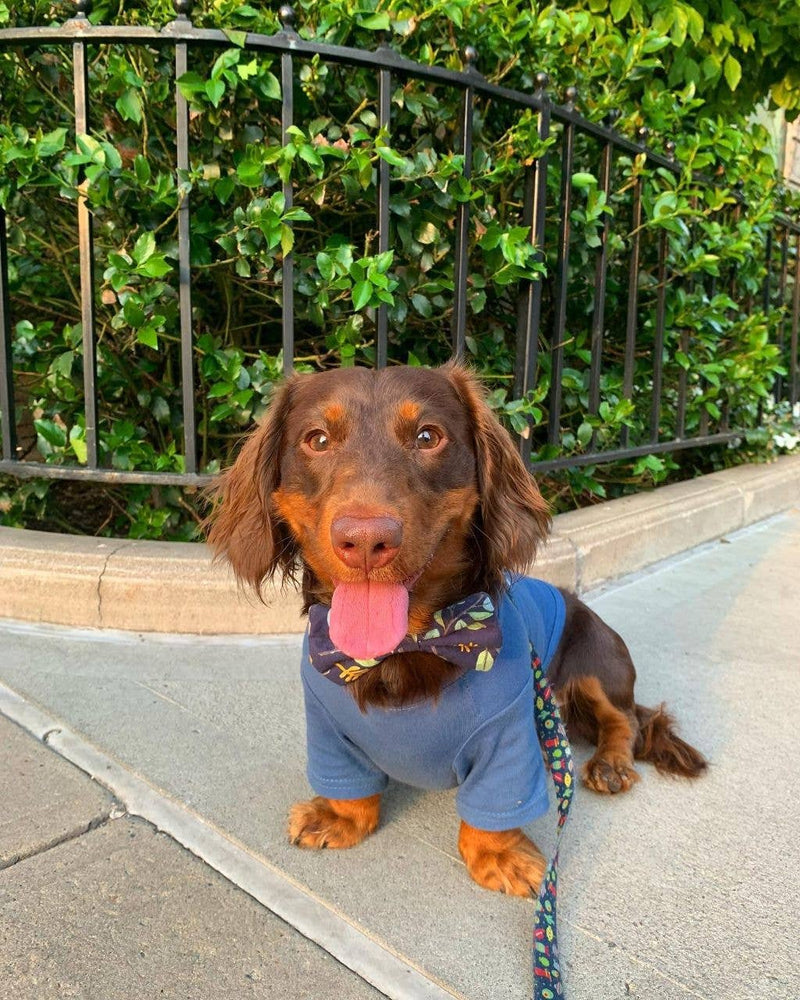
587,708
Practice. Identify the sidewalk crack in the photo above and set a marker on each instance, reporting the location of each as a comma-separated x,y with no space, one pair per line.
102,573
75,834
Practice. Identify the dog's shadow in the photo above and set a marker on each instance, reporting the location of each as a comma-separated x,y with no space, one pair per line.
398,799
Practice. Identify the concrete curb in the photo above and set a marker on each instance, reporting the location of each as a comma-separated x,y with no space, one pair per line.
174,587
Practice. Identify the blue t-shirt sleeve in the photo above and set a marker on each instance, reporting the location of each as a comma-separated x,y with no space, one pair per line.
336,766
501,774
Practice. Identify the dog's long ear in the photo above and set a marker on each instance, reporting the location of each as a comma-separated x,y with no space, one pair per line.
242,526
513,516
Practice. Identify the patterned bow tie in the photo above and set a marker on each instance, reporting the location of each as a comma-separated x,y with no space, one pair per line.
466,634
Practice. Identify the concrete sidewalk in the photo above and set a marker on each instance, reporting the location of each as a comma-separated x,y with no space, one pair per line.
675,890
100,905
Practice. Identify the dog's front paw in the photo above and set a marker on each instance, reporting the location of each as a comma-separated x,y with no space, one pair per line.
609,773
505,861
333,822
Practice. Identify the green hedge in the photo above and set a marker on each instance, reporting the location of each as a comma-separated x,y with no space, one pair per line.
686,72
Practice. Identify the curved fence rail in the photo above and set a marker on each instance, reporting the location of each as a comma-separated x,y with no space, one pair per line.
559,121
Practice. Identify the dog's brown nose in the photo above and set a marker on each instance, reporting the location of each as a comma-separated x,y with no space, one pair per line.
366,542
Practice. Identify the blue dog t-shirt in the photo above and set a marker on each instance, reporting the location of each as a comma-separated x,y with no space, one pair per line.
479,735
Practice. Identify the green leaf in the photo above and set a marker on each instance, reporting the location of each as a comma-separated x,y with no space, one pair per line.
666,202
583,180
63,363
144,248
584,433
695,24
224,188
390,156
156,267
375,22
237,38
148,335
269,86
220,389
361,294
142,170
129,105
51,432
191,83
77,440
224,61
160,409
422,304
246,70
620,8
111,157
215,90
250,172
733,72
52,142
133,313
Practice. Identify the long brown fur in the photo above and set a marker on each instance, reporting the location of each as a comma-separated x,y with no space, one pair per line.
469,513
242,524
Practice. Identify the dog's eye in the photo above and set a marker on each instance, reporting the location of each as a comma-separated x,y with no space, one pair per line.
428,438
318,441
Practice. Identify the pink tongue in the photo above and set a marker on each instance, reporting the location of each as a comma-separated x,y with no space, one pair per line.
368,619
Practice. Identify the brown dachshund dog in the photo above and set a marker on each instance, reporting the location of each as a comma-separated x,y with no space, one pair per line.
404,476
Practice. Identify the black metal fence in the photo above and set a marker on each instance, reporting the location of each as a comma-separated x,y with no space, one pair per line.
782,250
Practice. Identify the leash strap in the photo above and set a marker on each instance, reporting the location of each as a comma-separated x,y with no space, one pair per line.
547,982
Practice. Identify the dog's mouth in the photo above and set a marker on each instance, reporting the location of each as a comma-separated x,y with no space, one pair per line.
369,618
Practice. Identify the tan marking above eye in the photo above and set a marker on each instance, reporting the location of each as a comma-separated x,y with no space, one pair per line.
408,410
334,413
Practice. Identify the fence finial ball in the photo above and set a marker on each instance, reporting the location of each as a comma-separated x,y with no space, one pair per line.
469,55
286,16
83,8
571,94
182,7
642,134
541,80
669,147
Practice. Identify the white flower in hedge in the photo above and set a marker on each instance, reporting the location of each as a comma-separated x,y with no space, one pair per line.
796,411
787,441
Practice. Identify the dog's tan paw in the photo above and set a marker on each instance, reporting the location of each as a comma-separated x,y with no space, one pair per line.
324,823
505,862
609,774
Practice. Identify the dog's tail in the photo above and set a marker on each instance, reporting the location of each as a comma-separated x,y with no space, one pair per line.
659,744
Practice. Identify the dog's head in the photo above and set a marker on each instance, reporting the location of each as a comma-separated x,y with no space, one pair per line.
399,477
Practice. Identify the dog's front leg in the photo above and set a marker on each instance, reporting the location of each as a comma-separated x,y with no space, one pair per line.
326,822
506,860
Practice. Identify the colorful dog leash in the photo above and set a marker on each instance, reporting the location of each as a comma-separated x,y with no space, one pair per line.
547,981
